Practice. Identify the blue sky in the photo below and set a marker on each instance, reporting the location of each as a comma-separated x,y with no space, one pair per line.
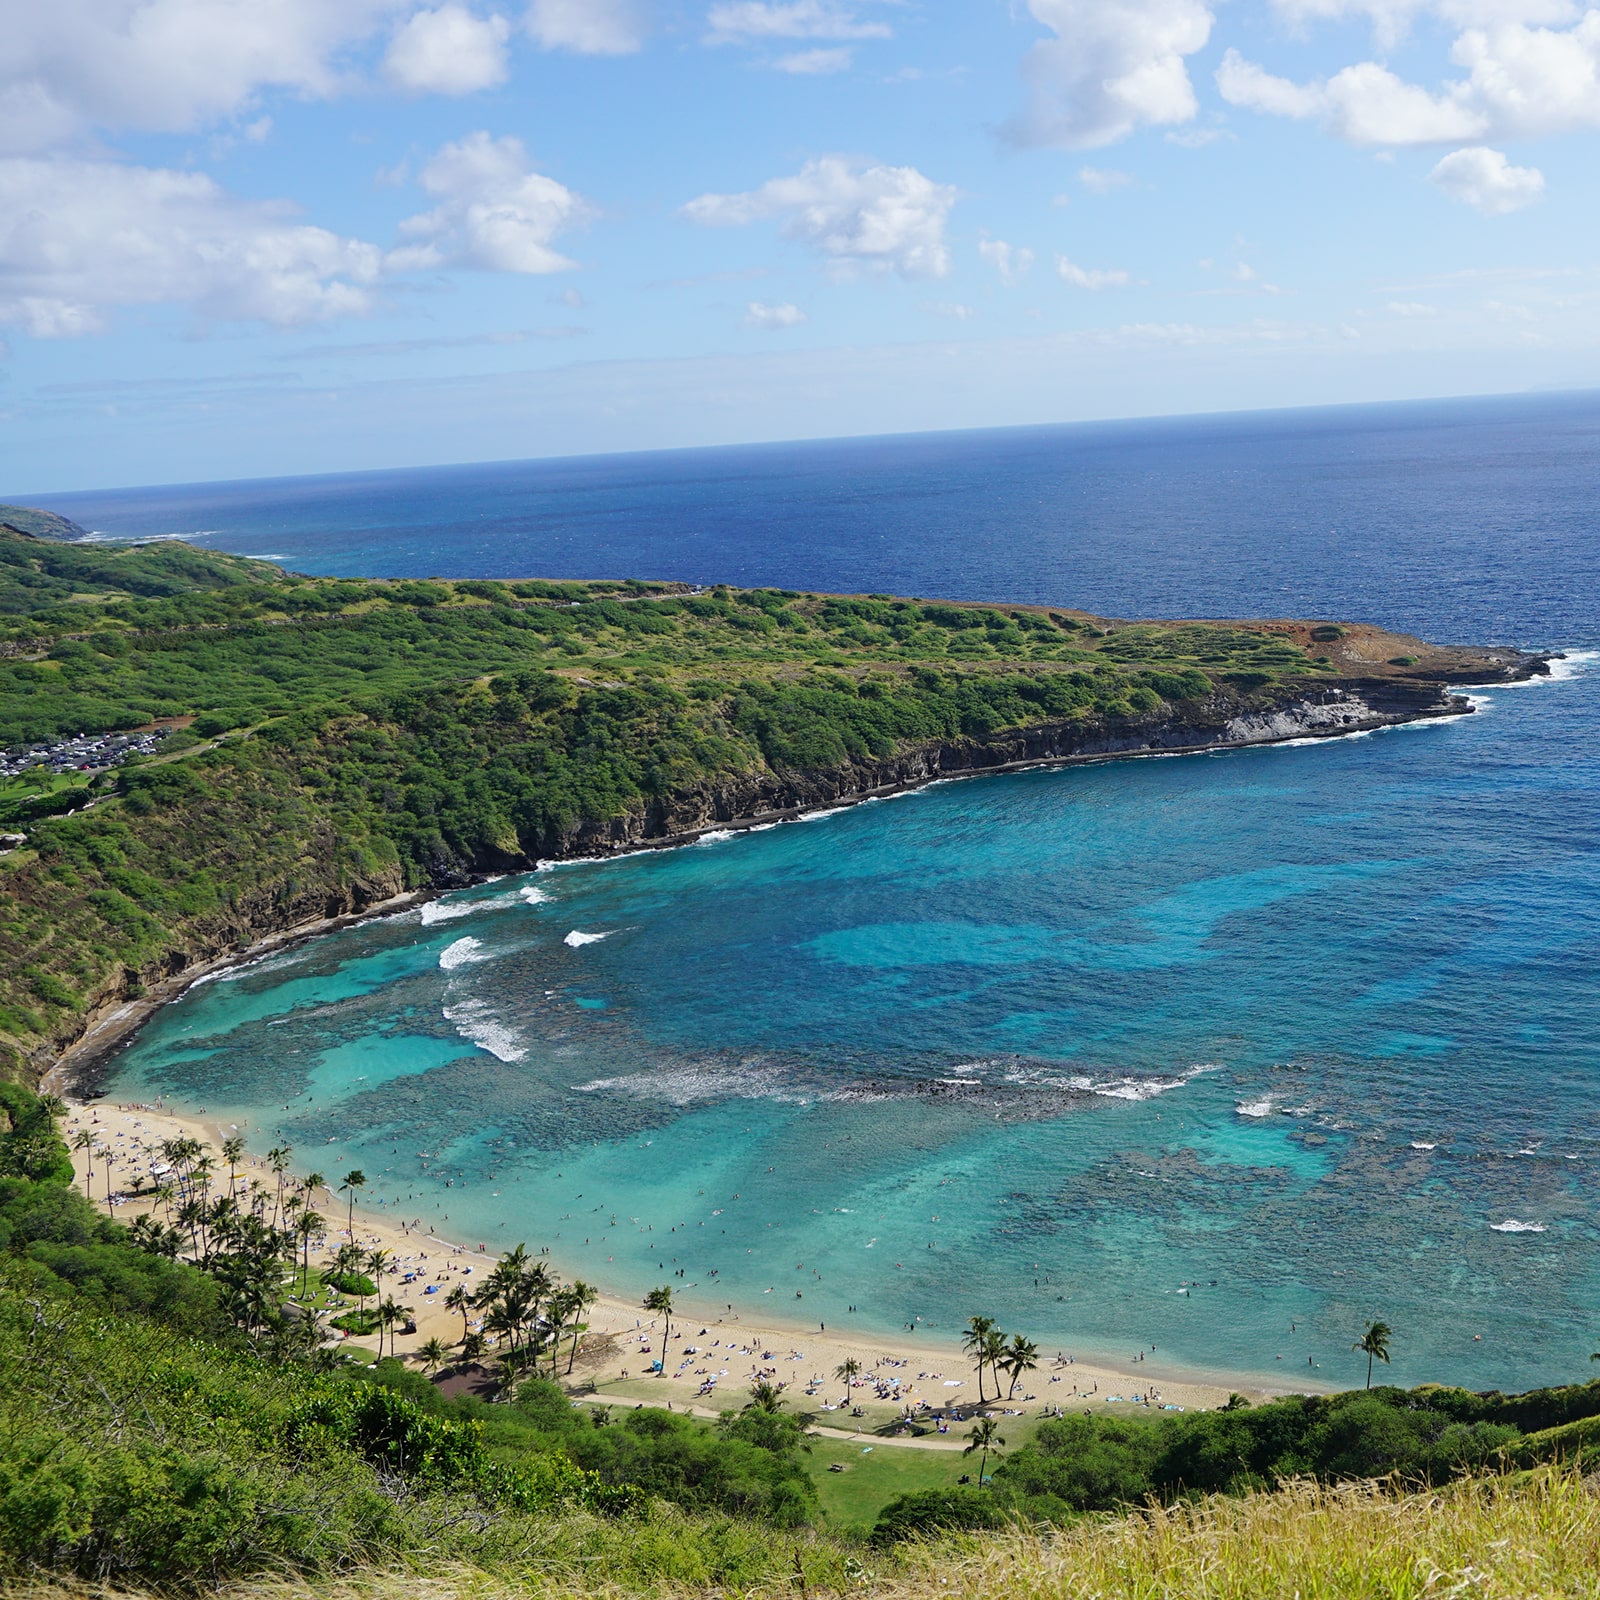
252,237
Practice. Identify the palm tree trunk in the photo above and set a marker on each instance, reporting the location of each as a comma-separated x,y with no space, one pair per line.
1369,1369
666,1333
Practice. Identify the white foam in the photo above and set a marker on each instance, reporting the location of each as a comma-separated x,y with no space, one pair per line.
460,954
1511,1225
1418,1144
475,1023
684,1085
1137,1089
1254,1108
1575,664
715,835
818,815
577,938
531,894
447,911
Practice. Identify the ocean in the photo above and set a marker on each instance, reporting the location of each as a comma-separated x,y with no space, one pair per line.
1223,1055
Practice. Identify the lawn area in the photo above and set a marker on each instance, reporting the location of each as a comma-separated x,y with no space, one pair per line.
854,1497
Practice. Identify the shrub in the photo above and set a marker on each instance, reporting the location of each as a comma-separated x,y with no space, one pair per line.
933,1511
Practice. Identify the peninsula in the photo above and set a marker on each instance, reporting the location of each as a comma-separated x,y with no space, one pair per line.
200,752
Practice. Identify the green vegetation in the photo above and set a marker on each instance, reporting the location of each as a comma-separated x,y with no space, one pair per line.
167,1421
41,524
353,740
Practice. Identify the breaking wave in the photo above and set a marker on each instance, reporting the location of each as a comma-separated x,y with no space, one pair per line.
478,1025
461,954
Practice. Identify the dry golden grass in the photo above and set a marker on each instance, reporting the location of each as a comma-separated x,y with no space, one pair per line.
1523,1538
1514,1538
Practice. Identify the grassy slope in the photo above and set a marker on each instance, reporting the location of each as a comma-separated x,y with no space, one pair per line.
1534,1538
391,735
41,524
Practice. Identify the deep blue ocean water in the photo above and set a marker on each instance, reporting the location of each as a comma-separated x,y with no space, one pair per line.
1176,1052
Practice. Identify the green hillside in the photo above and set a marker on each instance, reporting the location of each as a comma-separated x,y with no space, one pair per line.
351,740
41,524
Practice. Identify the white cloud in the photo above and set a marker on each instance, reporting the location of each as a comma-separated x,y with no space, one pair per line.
493,212
1010,262
1115,66
773,318
1392,19
1522,81
1089,277
1197,138
1412,308
952,309
815,63
588,27
81,238
1102,180
1365,104
741,21
448,51
1481,177
68,66
857,216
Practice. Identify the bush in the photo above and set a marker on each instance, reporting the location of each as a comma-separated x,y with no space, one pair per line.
934,1511
350,1283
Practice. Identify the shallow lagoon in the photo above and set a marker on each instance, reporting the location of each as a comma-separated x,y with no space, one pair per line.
1172,1052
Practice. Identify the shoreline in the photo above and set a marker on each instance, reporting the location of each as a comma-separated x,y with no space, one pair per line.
614,1363
616,1316
116,1025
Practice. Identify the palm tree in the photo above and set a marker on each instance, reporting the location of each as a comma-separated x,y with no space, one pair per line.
433,1355
353,1180
377,1263
985,1436
1022,1355
307,1224
993,1351
459,1300
1375,1344
972,1341
389,1313
278,1160
581,1296
764,1396
661,1300
232,1149
84,1140
847,1372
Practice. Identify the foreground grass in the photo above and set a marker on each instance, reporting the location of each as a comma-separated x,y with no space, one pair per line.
1512,1538
1533,1536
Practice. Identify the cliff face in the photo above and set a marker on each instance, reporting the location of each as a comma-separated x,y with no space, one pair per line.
1220,722
311,894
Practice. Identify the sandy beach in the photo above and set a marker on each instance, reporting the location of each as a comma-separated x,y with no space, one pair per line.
712,1358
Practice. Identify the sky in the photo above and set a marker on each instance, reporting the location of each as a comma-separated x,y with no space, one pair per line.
244,238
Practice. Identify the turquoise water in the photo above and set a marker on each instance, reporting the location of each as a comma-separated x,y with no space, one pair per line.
1207,1046
1171,1052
